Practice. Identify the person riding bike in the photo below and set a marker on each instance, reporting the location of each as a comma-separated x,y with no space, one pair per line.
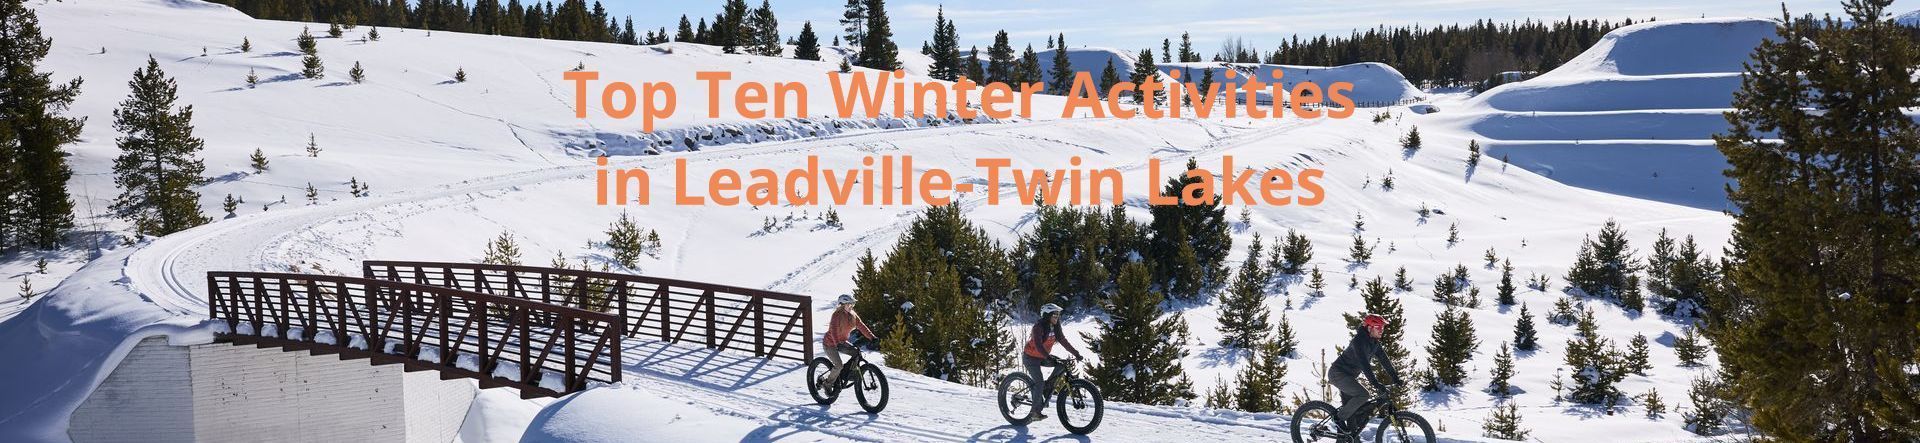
1359,358
843,323
1046,333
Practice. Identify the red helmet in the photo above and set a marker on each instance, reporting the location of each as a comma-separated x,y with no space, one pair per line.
1374,320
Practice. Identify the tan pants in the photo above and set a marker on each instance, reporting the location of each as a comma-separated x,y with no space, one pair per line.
833,355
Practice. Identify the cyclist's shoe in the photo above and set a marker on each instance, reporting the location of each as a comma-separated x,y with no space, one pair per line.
1037,415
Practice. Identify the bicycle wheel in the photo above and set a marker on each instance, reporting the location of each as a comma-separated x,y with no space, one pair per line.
871,389
823,391
1314,421
1405,427
1081,407
1016,398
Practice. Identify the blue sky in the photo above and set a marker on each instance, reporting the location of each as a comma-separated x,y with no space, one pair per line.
1134,24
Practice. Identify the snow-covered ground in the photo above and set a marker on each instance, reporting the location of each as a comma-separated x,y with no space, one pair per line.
453,164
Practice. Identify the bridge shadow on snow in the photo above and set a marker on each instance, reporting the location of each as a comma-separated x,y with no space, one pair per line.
708,368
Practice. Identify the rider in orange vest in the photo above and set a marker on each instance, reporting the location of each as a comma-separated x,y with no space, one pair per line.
1046,332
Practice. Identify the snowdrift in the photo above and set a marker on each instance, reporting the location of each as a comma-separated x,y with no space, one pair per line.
1633,115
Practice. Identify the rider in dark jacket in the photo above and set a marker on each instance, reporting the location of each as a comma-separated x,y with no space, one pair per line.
1360,358
1046,333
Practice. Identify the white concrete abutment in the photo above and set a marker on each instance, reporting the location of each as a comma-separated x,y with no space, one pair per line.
220,392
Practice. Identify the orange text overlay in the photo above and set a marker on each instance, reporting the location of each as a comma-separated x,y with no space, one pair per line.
891,180
872,94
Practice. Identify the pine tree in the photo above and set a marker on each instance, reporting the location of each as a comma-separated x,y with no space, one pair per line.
1709,410
684,33
1296,252
1473,154
1689,349
732,29
373,34
1400,280
1500,382
229,205
460,75
1680,275
1636,358
253,79
307,45
333,30
502,250
1504,423
1506,288
1317,283
1140,352
1108,78
1062,71
313,146
1604,263
1221,395
1144,72
258,161
1411,141
854,20
1359,253
35,209
26,289
973,66
1243,311
313,194
158,164
624,240
356,74
1524,337
952,274
1186,49
1284,340
1631,299
1453,234
899,348
1000,59
1260,383
809,45
1027,70
1653,404
312,68
1595,365
1189,243
1452,345
765,28
877,50
945,50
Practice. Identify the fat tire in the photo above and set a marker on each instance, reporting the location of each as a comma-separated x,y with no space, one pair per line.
1418,428
1007,382
1300,416
823,395
871,405
1093,396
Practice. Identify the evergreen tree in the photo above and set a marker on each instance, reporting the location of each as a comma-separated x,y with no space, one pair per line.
809,45
1689,349
1524,337
1631,299
947,280
1221,395
1453,234
1604,263
765,40
877,50
1654,405
502,250
1681,276
35,209
246,45
253,79
306,43
1186,49
1189,242
1411,141
1317,283
1297,251
312,68
685,32
1243,312
460,75
1028,69
1000,61
1284,340
624,240
1709,410
1108,78
1595,365
159,160
1473,154
258,161
1260,383
899,349
945,50
1636,358
1504,423
1506,287
356,74
1500,382
1062,71
973,65
731,29
1400,280
1139,351
854,21
1359,253
1452,345
1144,72
313,194
229,205
333,30
313,146
373,34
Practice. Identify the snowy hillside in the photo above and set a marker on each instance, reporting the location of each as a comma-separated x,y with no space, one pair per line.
1649,91
453,164
1374,84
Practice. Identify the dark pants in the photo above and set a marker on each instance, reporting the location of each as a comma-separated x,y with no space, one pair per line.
1039,386
1352,394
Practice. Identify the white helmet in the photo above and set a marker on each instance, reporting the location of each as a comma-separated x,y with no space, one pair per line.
846,299
1049,308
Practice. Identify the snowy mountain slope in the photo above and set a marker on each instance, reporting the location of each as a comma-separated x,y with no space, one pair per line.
1374,83
1654,88
456,179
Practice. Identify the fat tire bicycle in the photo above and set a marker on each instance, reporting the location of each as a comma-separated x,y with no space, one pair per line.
1077,401
1316,421
870,385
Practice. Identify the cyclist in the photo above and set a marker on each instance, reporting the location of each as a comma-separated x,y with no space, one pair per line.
843,323
1046,333
1359,358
